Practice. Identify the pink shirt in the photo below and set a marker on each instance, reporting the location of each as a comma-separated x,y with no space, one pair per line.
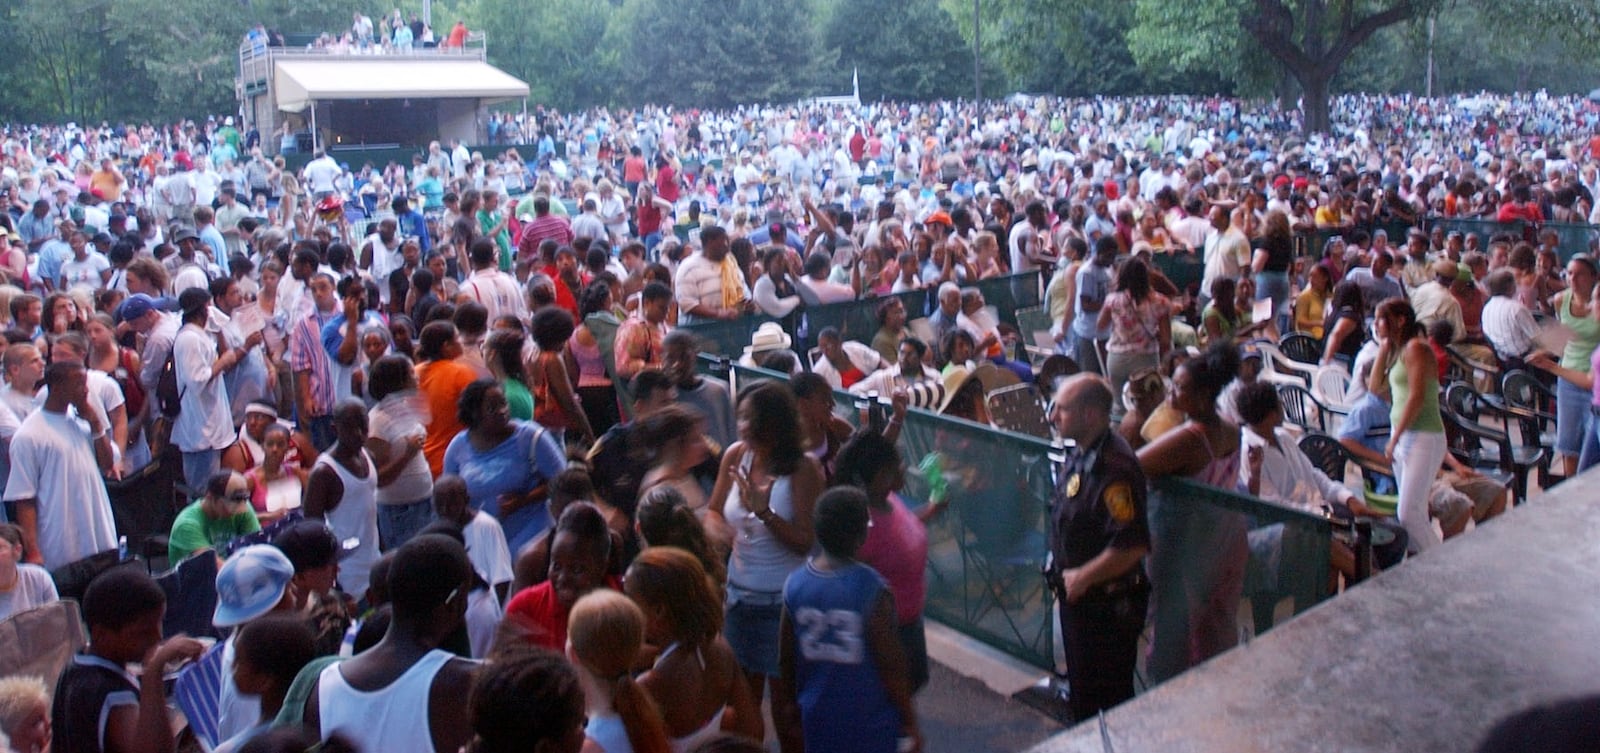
897,547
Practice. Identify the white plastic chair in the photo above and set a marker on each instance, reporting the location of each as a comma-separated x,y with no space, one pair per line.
1331,384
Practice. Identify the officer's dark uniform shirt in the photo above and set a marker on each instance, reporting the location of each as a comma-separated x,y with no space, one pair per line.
1104,506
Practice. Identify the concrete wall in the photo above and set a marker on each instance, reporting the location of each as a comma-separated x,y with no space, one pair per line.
459,119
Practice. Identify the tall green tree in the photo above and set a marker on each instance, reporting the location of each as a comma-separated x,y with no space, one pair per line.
1310,39
719,53
904,49
557,46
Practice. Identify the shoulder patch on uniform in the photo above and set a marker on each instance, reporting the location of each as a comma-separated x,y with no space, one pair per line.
1119,501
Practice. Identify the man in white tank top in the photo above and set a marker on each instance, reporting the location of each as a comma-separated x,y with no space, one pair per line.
343,489
406,690
380,255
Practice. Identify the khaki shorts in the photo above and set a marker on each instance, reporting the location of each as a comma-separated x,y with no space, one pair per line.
1482,491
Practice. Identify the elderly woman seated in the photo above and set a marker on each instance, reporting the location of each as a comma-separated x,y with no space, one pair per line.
845,362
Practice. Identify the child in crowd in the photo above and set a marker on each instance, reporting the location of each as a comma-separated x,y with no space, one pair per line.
268,653
527,699
24,714
845,686
101,706
604,636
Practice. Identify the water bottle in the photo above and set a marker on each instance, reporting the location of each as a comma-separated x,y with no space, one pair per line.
933,470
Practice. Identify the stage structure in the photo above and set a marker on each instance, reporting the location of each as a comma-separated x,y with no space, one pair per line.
364,100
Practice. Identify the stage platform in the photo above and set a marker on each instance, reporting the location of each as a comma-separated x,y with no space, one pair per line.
1426,657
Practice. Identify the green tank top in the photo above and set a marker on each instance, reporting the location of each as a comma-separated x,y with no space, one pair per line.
518,399
1585,335
1400,389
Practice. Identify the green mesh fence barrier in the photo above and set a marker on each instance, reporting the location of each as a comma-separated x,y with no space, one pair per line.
858,320
1573,238
985,551
1481,229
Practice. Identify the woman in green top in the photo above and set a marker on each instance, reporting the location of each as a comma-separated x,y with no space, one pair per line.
503,355
1407,369
1223,319
1575,308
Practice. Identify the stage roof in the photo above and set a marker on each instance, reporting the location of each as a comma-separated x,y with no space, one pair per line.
301,82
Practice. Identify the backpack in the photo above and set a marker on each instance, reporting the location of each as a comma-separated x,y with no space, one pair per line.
169,400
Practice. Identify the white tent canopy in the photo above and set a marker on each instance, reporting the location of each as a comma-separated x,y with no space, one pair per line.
300,83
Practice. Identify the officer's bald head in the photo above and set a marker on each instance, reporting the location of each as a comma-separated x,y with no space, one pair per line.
1082,407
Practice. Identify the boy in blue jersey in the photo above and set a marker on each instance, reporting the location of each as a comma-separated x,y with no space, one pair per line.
845,686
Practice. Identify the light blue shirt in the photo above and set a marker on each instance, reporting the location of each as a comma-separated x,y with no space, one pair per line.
212,237
1094,282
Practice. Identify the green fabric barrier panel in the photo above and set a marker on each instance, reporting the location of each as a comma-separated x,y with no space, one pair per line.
857,320
1484,230
1203,537
730,337
1007,294
1574,238
1186,270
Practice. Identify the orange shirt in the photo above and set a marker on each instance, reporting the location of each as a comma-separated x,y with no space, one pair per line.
441,384
109,183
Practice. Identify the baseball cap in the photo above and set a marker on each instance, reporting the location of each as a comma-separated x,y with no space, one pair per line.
135,307
939,218
184,234
309,544
250,584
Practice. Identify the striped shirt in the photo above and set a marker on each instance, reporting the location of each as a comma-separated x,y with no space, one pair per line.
307,355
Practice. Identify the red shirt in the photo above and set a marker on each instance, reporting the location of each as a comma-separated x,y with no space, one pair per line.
667,183
564,296
550,226
1512,211
649,219
633,169
537,610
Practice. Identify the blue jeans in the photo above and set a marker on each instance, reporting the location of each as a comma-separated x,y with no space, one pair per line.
1590,457
1275,285
199,467
398,523
321,430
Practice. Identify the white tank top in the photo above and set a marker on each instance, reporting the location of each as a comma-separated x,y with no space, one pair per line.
356,517
760,562
394,718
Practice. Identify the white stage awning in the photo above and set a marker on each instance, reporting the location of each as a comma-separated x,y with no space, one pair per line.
299,83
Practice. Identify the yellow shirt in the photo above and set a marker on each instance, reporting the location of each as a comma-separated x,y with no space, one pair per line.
1329,217
1309,310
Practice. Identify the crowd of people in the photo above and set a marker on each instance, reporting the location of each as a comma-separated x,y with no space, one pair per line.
471,424
393,35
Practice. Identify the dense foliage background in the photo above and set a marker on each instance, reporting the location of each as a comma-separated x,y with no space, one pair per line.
162,59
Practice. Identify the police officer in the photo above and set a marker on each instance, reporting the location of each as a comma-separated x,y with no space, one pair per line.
1099,535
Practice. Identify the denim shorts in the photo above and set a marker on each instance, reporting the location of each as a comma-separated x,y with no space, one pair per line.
751,624
1572,416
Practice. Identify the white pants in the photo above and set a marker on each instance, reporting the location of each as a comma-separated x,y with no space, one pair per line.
1417,458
